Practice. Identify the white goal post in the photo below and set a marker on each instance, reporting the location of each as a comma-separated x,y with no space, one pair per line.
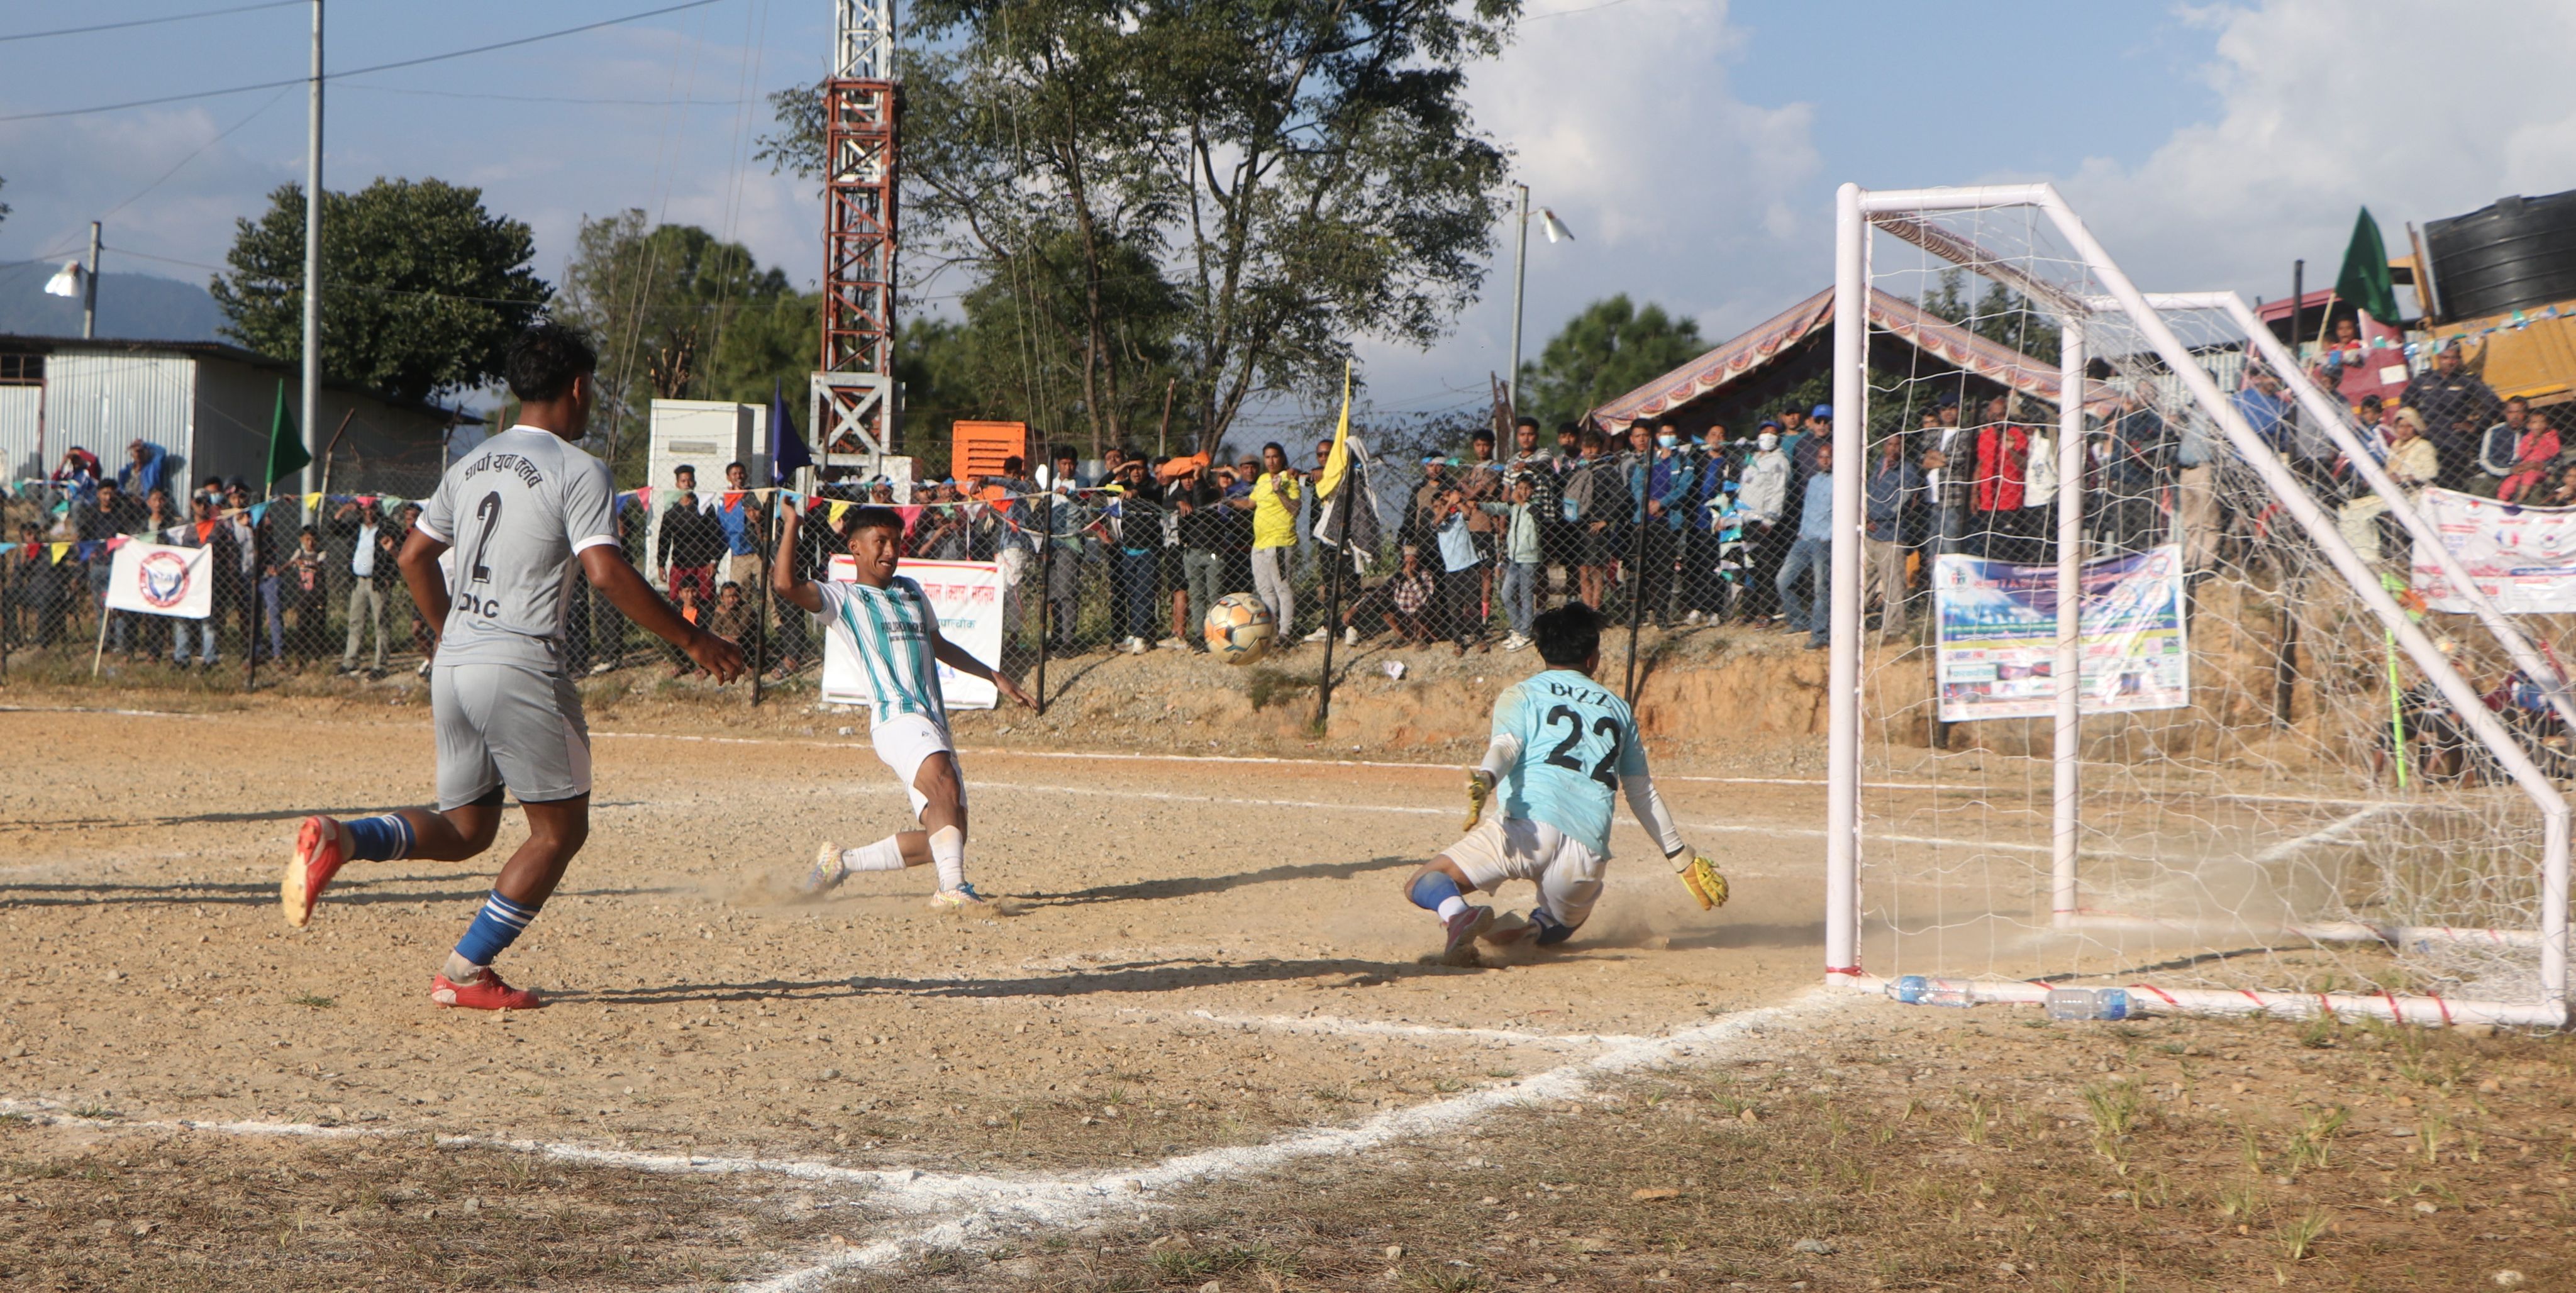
2143,804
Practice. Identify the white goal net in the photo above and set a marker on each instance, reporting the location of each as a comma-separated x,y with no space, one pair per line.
2263,775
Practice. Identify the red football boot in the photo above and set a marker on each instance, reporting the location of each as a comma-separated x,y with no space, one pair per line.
321,849
485,993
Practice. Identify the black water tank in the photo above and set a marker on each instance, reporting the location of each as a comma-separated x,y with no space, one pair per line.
2515,255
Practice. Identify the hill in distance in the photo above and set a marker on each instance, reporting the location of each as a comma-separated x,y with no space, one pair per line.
143,307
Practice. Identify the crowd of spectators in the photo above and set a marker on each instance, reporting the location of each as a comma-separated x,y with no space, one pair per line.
1676,525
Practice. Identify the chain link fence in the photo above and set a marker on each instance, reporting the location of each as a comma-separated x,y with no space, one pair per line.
1457,550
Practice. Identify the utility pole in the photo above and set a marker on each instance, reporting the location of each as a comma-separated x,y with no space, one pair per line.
313,264
89,288
1520,276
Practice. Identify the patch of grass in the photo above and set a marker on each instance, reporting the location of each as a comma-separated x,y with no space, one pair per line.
314,1000
93,1110
2299,1237
2313,1144
2115,1107
1426,1278
1265,686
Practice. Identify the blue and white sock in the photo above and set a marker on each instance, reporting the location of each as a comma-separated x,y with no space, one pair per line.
495,927
1435,892
379,839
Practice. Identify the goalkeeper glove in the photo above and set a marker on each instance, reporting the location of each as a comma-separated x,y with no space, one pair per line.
1699,875
1480,786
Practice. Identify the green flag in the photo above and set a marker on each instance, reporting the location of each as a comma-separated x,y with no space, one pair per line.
286,455
2364,280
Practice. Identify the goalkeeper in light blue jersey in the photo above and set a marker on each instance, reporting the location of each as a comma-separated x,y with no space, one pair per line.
1563,747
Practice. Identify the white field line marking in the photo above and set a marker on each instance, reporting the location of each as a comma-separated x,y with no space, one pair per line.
1724,828
1334,1026
1019,1205
1135,757
87,709
49,1112
984,1204
2326,834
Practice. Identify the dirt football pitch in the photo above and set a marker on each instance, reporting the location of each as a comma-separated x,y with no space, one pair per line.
1209,1052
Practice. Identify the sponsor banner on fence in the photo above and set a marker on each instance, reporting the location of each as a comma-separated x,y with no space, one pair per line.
156,579
2523,557
1998,636
968,597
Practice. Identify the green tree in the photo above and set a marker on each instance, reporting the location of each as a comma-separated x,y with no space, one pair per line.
422,288
2001,315
1262,182
681,314
1606,351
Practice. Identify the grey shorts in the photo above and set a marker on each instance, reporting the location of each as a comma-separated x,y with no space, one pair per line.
505,725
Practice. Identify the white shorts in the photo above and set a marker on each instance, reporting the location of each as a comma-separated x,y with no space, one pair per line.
1568,874
903,742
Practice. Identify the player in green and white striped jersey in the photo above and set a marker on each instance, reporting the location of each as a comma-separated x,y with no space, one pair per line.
890,627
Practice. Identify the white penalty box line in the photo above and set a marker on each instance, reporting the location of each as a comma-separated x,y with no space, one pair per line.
968,1209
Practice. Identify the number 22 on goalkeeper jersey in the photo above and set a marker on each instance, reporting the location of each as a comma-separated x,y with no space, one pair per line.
1577,739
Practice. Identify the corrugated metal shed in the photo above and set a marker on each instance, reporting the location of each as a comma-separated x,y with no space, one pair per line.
209,407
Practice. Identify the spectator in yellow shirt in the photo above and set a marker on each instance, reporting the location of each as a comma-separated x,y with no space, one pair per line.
1273,503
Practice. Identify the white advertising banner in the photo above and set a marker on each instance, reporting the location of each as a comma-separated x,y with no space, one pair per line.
968,597
2523,557
157,579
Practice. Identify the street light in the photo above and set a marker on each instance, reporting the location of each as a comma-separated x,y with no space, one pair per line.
1555,230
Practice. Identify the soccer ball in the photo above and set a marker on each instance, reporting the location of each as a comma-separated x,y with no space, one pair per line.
1240,628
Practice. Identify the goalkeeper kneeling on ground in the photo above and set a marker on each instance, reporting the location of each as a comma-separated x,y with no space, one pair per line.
1563,747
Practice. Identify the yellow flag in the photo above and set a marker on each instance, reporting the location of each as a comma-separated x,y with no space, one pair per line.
1338,464
837,509
312,501
59,550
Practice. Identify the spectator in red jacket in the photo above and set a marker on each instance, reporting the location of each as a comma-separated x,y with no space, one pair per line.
1995,525
2531,459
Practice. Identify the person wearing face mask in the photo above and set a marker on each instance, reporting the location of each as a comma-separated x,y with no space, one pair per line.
1670,475
1763,495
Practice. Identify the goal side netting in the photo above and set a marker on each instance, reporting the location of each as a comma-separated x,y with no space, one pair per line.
2287,758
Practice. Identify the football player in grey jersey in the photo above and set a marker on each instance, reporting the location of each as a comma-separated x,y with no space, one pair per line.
524,513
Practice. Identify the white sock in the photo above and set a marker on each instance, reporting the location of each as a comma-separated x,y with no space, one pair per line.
1451,906
884,855
948,853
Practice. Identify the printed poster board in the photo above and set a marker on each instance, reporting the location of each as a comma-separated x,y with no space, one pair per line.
1997,645
968,598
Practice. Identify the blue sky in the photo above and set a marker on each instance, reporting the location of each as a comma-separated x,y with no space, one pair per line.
1692,145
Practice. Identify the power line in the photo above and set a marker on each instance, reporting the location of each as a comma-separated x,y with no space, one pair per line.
361,71
549,98
147,22
192,155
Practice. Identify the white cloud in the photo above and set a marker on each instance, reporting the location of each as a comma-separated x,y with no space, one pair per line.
2330,105
1623,121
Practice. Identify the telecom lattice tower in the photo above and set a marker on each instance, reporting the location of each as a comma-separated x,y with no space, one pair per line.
853,407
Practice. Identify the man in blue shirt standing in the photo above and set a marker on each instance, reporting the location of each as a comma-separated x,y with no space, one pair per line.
1813,551
738,514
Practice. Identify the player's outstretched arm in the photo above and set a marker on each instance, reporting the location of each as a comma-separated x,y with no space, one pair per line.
616,579
1698,873
960,659
418,562
783,579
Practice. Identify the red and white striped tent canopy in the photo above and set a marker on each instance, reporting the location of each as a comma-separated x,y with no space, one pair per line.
1749,353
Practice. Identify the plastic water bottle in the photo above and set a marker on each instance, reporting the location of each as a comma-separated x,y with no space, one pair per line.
1916,990
2088,1003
